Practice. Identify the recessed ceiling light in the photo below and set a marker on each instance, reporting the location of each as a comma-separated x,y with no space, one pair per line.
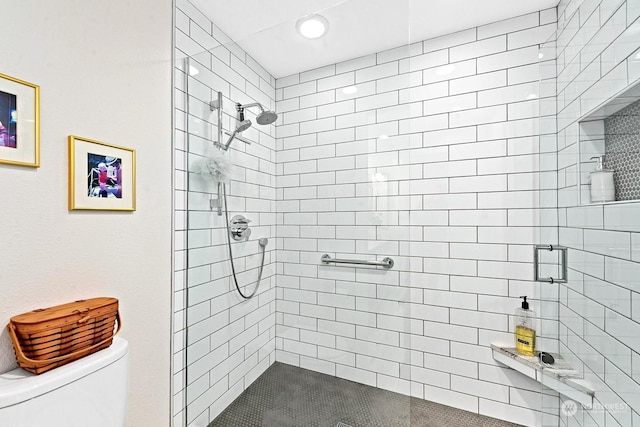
349,90
312,26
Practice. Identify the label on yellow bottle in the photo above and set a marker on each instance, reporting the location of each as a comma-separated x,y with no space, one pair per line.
525,340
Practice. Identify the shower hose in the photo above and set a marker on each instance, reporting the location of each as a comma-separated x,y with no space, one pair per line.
262,242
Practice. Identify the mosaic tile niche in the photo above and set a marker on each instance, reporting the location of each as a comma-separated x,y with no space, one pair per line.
622,148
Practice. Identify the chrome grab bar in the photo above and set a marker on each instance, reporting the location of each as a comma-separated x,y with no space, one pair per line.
386,262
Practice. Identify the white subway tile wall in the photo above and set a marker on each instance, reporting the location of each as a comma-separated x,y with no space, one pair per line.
229,342
415,165
598,328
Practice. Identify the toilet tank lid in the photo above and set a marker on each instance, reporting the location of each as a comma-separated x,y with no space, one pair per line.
19,385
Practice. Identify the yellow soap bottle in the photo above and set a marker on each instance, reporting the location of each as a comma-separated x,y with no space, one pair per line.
525,330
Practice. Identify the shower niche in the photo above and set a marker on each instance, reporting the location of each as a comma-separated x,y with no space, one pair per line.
608,166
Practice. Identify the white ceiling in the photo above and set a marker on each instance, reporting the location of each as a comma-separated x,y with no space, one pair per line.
266,29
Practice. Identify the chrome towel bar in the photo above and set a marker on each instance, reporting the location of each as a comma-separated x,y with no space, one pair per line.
386,262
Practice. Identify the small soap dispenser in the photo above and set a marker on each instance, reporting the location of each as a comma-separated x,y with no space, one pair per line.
602,187
525,330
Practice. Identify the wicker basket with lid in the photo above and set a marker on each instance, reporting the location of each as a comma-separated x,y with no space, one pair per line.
44,339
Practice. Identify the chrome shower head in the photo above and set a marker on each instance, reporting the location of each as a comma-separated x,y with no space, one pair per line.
265,117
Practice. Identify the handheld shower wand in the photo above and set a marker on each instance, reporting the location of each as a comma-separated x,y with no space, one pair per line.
242,126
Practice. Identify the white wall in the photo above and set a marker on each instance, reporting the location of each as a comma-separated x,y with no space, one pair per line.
230,341
104,71
600,323
451,193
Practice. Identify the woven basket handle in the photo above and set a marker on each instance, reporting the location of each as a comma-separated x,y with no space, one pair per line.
16,345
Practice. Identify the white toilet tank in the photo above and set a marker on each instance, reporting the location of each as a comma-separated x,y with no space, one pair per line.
90,392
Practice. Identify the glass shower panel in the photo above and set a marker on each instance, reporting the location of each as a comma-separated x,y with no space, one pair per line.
228,340
328,177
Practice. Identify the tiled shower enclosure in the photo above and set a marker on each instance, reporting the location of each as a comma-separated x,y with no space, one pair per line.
453,156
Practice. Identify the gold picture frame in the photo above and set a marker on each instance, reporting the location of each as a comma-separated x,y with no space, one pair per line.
101,176
19,122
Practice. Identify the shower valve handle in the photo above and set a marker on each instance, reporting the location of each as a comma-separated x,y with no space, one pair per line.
239,228
239,219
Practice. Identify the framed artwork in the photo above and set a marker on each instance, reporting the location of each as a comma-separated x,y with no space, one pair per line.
19,122
101,176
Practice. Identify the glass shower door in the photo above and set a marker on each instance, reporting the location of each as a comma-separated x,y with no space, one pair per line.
593,322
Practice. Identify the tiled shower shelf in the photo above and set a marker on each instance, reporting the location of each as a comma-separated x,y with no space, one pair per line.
614,202
561,377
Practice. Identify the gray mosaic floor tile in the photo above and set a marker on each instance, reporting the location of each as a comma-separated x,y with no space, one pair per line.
287,396
622,131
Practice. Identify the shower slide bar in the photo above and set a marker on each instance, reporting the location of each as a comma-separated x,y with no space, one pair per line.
386,262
